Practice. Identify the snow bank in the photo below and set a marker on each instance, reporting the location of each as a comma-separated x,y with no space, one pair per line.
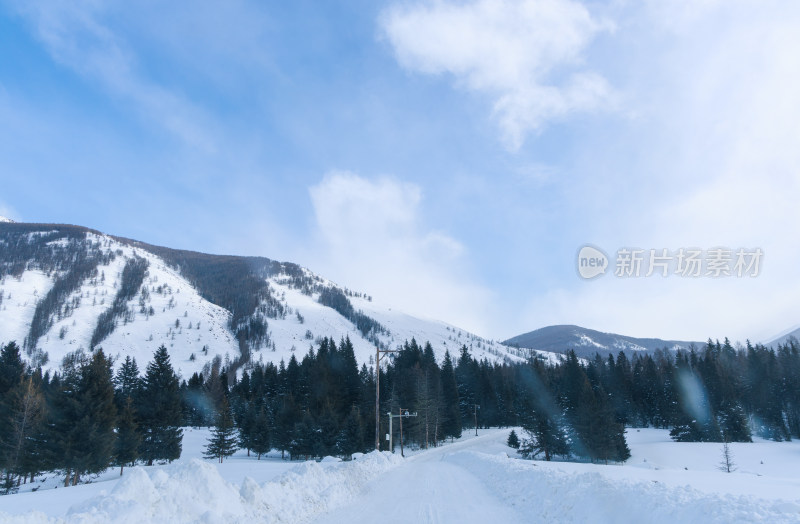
547,495
195,492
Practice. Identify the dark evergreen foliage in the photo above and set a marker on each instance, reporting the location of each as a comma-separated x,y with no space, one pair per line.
451,411
133,275
159,408
335,298
127,382
513,440
12,371
222,443
126,448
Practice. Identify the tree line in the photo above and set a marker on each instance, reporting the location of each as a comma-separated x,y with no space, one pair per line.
84,418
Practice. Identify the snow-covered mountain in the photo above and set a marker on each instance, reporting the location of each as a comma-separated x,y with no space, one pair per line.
4,219
586,342
64,288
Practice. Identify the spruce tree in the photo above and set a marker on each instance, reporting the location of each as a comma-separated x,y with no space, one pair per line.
64,410
287,416
513,440
91,418
223,442
304,439
244,417
159,408
11,373
351,436
260,438
126,450
540,417
451,413
17,452
127,382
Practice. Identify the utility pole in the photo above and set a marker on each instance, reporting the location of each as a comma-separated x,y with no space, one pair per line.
476,408
378,352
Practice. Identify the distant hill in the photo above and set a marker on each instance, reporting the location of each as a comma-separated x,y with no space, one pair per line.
586,342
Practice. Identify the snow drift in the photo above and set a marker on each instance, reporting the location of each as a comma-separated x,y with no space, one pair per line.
195,492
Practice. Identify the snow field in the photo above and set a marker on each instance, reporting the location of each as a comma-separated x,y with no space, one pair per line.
20,297
552,495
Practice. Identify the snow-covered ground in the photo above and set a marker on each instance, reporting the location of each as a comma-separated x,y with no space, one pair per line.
476,479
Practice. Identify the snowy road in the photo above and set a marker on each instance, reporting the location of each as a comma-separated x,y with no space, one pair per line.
428,489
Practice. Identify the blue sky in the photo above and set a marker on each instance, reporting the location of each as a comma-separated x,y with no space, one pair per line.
449,157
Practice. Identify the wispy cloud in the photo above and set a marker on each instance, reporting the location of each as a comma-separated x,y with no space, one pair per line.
77,36
527,55
372,237
7,211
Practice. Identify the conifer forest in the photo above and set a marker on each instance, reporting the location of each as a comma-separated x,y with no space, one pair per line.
86,418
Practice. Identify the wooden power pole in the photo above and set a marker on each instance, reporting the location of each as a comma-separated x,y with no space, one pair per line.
378,352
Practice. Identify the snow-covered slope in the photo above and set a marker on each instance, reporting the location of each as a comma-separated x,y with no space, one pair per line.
179,305
784,337
322,321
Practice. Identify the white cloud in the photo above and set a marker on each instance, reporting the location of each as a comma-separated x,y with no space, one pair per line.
719,124
373,239
7,211
527,55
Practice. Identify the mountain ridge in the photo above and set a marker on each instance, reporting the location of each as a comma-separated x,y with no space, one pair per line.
65,287
586,342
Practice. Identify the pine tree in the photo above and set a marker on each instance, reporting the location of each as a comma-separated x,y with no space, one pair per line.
466,378
244,417
287,416
451,413
607,440
223,441
304,440
11,374
126,449
80,431
260,439
351,436
513,440
127,382
99,414
27,410
540,416
159,408
62,432
350,377
733,423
